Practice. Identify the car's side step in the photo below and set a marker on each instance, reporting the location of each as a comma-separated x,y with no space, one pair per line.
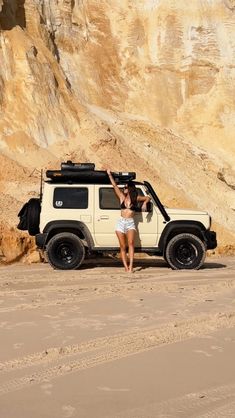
150,250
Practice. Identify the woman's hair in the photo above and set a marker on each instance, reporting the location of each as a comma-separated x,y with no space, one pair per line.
132,192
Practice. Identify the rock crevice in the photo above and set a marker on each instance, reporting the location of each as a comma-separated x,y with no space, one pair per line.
12,13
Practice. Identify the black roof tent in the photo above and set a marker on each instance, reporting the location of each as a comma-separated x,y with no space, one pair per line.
85,173
88,177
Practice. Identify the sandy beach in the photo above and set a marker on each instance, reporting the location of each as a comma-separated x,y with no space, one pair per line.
98,342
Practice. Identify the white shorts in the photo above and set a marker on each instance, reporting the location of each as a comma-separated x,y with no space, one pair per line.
125,224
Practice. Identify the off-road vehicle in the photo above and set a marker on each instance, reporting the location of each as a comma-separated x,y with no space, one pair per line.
76,215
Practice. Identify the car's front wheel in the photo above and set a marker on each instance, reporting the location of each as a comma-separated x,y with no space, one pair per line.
65,251
185,251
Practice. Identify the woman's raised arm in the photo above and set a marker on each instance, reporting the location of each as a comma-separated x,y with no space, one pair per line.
118,192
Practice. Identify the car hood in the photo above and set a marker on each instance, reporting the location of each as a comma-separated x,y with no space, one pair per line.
185,212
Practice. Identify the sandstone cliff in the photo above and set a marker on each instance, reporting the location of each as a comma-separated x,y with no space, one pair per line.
147,85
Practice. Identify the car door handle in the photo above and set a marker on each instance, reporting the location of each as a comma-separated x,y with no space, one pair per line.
104,217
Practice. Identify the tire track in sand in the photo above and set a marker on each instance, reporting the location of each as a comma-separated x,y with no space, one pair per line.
115,348
217,402
69,295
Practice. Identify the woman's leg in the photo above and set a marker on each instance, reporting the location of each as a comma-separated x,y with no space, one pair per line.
122,243
131,239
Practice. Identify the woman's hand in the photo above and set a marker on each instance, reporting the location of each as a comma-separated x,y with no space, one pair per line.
145,200
144,207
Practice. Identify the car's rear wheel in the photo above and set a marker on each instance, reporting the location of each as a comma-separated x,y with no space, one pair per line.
65,251
185,251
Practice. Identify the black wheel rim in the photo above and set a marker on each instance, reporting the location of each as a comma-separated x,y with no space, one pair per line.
185,253
65,252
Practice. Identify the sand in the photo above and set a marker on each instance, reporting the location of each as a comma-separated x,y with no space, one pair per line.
101,343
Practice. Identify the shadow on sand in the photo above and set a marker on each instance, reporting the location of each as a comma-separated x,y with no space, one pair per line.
139,264
211,265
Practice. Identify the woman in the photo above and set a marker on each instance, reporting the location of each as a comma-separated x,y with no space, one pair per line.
126,226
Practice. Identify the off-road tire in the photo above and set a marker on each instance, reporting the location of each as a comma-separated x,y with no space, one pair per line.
33,216
65,251
185,251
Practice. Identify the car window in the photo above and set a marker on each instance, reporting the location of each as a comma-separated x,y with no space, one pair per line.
70,198
109,200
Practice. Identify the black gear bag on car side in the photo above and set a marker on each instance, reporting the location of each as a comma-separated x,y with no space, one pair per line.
22,225
30,216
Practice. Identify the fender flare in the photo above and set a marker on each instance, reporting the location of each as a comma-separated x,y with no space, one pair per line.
63,224
180,227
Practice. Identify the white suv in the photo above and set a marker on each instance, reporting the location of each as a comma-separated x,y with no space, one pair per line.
77,213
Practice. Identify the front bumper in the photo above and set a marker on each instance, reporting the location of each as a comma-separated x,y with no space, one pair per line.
210,239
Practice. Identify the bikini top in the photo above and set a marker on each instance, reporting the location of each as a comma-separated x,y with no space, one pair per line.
131,207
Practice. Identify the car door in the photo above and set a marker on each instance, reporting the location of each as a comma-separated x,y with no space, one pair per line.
107,212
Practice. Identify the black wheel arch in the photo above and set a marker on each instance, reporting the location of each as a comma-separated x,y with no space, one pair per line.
174,228
76,227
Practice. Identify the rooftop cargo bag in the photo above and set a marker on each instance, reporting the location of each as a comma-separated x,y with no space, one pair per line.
70,166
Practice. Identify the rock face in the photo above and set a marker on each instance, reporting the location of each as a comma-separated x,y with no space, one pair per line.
146,85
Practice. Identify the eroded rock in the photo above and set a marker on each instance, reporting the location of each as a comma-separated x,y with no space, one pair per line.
147,86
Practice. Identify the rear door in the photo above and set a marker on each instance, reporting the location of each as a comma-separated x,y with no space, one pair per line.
107,212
